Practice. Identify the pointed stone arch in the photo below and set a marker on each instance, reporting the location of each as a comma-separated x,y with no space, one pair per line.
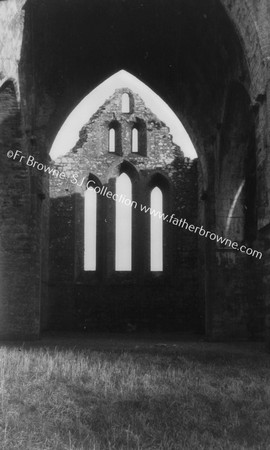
209,45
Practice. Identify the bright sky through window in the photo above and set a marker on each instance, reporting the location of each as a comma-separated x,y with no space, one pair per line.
112,140
123,228
125,103
156,254
135,140
90,229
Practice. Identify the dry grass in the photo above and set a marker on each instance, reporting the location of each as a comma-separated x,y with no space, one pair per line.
143,396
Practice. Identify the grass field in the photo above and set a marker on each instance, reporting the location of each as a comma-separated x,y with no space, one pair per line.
122,394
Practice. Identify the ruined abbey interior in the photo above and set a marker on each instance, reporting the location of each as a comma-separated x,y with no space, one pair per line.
209,60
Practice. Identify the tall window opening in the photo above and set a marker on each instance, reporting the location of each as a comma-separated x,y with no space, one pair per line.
125,103
135,141
112,145
90,229
123,236
156,230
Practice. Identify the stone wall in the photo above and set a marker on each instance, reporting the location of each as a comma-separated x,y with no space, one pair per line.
18,267
109,299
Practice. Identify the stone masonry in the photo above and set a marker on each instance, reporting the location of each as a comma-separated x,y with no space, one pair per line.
107,299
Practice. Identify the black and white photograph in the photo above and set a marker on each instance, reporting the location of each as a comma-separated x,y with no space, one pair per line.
134,224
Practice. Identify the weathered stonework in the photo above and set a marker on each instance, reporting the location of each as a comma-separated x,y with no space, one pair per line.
93,301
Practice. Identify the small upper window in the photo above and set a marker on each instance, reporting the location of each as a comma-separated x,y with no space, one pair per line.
135,140
139,137
112,140
114,137
125,103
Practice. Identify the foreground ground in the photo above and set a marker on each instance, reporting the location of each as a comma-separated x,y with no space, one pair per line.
104,393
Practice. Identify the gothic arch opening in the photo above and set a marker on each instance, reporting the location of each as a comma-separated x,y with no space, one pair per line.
136,243
68,134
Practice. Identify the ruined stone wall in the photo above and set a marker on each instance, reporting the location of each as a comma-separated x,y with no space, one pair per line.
251,20
22,195
108,299
18,266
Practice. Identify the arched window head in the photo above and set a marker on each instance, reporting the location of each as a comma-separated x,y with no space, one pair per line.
123,233
112,137
125,103
156,230
135,140
90,229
